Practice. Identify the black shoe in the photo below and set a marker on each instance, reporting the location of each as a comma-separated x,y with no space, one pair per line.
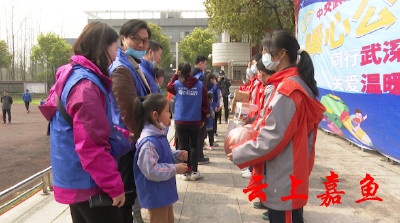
259,205
204,160
265,215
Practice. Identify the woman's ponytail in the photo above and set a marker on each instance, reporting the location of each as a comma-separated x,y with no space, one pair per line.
305,68
138,117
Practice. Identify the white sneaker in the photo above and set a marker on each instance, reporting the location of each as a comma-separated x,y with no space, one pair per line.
244,170
215,138
196,176
211,147
185,176
215,144
247,174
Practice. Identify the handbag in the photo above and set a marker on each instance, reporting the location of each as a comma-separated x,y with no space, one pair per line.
119,144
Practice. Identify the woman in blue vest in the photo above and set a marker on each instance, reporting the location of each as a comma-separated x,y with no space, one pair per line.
128,83
191,109
80,153
154,162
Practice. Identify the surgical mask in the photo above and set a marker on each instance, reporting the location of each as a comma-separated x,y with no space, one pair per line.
158,86
214,82
152,63
268,64
135,53
253,69
160,124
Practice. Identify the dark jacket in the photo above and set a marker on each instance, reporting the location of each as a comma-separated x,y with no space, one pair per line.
224,85
6,101
189,83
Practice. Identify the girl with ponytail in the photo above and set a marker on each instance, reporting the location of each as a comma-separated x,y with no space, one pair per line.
154,162
284,150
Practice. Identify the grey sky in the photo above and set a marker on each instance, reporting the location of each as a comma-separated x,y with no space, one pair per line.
66,17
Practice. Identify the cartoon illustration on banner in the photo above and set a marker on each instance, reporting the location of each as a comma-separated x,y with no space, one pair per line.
355,49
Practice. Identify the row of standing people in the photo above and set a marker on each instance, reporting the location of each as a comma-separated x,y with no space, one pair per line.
286,122
107,87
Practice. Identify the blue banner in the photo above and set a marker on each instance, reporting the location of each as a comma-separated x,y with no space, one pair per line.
355,48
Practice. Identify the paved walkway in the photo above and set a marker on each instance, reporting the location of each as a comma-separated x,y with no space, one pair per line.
219,198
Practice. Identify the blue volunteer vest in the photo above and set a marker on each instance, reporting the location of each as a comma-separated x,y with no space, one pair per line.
150,75
198,75
152,194
188,102
66,165
122,60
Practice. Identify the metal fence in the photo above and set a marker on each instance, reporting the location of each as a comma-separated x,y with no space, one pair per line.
43,175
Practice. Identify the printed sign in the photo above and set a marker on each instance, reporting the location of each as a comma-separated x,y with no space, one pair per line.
355,48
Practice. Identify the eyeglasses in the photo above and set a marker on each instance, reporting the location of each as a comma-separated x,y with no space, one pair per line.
139,40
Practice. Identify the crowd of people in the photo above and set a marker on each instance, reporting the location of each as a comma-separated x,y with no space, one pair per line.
108,90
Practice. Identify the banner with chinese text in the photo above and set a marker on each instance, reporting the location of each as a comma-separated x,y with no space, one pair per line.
355,48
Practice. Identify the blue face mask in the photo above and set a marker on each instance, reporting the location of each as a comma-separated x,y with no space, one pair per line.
135,53
152,63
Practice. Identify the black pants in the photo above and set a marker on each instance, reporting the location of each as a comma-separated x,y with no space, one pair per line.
211,137
82,213
202,137
281,216
27,105
125,167
226,109
217,116
8,111
188,140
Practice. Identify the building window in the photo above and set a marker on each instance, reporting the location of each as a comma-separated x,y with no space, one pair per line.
183,34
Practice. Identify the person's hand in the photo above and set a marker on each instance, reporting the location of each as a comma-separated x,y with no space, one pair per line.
202,124
119,200
181,168
130,138
183,155
247,120
230,157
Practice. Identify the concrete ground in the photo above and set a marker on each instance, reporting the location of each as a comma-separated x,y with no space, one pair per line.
219,196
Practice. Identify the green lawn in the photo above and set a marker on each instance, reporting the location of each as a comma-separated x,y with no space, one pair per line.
20,101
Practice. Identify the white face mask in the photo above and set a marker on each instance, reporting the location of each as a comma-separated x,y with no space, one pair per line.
268,64
160,124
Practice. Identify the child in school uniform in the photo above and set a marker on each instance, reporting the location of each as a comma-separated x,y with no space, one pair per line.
155,164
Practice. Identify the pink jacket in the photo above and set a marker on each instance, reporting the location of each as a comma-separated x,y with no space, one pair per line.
85,104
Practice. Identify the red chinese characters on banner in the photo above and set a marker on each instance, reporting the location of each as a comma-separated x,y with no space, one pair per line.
369,54
372,85
368,189
328,7
330,187
391,83
293,195
256,191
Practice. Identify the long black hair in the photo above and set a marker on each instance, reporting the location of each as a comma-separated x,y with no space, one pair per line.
93,43
281,39
142,111
210,76
186,70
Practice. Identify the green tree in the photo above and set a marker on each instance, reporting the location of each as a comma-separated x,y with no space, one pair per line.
166,57
200,42
254,18
51,52
5,55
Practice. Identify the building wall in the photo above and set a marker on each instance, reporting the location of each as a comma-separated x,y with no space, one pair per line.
223,53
